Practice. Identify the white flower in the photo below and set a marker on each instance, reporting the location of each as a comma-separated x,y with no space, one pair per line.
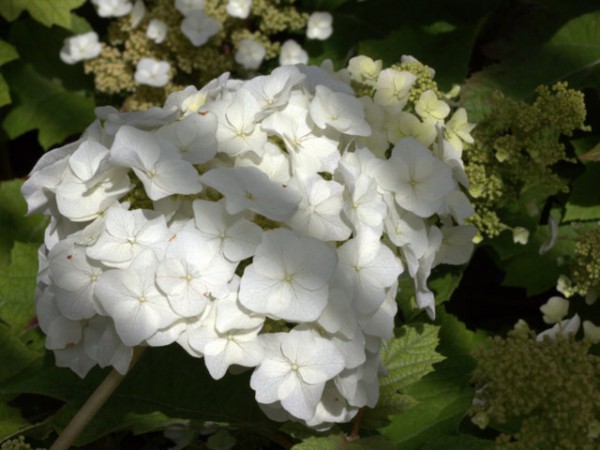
250,54
157,31
591,331
190,275
318,213
239,8
80,47
294,370
128,233
419,181
392,87
185,7
289,277
520,235
292,53
198,27
430,107
565,328
134,302
319,25
364,70
152,72
112,8
156,162
241,347
338,110
366,268
555,309
232,236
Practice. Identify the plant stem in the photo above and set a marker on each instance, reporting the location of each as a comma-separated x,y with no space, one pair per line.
89,409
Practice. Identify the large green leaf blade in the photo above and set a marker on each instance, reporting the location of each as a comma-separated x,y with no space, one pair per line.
47,12
572,54
45,105
17,287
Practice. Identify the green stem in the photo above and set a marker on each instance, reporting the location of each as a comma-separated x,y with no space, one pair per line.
89,409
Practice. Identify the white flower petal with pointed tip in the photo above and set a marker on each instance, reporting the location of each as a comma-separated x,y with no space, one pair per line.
457,245
289,277
294,370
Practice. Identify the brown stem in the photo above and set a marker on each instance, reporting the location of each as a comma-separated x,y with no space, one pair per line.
89,409
356,423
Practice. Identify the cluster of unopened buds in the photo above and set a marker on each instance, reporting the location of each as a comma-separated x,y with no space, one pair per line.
198,27
260,224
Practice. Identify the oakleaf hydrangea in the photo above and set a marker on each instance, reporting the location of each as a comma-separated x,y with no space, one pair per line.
258,224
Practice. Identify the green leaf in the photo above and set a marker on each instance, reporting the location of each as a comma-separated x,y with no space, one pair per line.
464,441
14,225
572,54
340,441
584,201
4,92
7,52
410,356
445,46
16,354
538,273
390,403
10,421
54,12
443,395
17,286
45,105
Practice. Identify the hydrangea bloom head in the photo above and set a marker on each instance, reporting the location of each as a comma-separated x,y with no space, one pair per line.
251,223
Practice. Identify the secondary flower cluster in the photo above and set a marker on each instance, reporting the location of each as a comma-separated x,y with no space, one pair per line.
251,223
159,47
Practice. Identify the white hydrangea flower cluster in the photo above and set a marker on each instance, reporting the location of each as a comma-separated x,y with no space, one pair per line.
255,223
198,27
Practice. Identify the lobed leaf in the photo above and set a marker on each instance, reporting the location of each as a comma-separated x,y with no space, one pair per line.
444,395
43,104
410,356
